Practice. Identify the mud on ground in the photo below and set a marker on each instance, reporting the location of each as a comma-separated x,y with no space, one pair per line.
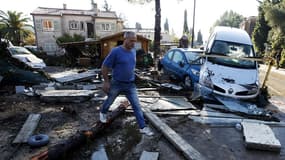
122,139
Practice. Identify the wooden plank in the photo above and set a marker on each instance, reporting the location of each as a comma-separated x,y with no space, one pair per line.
162,104
172,113
212,114
72,76
260,136
149,155
216,121
66,95
28,128
179,143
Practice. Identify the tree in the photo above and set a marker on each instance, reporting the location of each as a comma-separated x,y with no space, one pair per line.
229,18
13,26
106,6
199,37
70,38
260,32
185,25
274,13
166,26
157,28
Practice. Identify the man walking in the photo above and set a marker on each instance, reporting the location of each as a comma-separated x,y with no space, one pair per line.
122,60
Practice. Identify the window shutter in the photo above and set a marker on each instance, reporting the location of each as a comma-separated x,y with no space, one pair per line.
98,26
113,27
38,25
56,24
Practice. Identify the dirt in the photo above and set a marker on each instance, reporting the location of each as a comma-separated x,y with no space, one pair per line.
122,140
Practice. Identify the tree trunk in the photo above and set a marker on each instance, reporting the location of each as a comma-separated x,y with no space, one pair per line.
63,148
157,29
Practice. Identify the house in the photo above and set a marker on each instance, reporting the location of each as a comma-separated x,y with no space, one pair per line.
148,33
51,23
108,42
103,47
248,24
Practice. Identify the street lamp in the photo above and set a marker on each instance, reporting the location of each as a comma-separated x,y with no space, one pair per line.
192,42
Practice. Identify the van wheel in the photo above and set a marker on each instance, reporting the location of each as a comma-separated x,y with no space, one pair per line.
187,82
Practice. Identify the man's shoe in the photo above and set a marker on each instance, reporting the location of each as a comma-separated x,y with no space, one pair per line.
146,131
103,117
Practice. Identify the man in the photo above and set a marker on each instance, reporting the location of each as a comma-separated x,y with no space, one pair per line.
122,60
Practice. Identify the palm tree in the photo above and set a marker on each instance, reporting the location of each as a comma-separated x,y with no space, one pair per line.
13,26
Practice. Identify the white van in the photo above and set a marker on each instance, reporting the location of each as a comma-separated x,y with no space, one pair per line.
225,72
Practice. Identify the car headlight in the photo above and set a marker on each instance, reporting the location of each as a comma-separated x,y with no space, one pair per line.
195,72
206,80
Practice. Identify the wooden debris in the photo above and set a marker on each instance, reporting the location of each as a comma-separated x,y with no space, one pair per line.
149,155
28,128
71,76
215,121
61,149
66,95
260,136
171,86
188,151
204,113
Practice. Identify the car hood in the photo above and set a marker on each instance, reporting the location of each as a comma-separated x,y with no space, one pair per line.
223,74
30,58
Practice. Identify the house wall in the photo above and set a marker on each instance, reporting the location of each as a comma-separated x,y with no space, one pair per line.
105,27
46,39
69,20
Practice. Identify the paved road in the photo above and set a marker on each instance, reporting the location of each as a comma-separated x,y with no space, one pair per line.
276,80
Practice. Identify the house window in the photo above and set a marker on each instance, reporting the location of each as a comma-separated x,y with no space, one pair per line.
106,27
73,25
81,26
48,25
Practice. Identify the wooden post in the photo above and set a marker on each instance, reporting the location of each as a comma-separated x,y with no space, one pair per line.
63,148
267,72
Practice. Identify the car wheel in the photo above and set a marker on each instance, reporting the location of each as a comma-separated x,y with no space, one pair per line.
187,82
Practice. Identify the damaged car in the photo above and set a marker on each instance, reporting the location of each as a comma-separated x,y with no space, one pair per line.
182,64
228,70
25,56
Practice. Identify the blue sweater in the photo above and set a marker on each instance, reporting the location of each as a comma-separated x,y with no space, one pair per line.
122,63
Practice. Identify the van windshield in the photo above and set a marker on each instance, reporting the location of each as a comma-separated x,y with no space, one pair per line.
234,51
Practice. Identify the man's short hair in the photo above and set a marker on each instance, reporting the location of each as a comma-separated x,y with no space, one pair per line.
129,34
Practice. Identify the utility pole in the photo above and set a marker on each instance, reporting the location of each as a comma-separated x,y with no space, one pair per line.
193,27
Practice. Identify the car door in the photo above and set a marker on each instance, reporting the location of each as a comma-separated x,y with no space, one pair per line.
178,64
167,61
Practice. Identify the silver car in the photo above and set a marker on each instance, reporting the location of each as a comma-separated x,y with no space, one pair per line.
25,56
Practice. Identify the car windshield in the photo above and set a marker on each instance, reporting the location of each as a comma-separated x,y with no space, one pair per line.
193,57
18,51
235,51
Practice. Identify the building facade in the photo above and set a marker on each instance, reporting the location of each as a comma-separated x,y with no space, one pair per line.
51,23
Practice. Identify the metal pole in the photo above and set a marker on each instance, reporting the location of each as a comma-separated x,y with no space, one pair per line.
192,42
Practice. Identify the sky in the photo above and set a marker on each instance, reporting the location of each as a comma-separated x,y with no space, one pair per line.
207,11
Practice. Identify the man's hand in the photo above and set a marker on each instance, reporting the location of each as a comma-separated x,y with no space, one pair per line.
106,87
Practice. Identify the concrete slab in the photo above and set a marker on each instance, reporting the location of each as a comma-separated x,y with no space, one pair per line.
260,136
